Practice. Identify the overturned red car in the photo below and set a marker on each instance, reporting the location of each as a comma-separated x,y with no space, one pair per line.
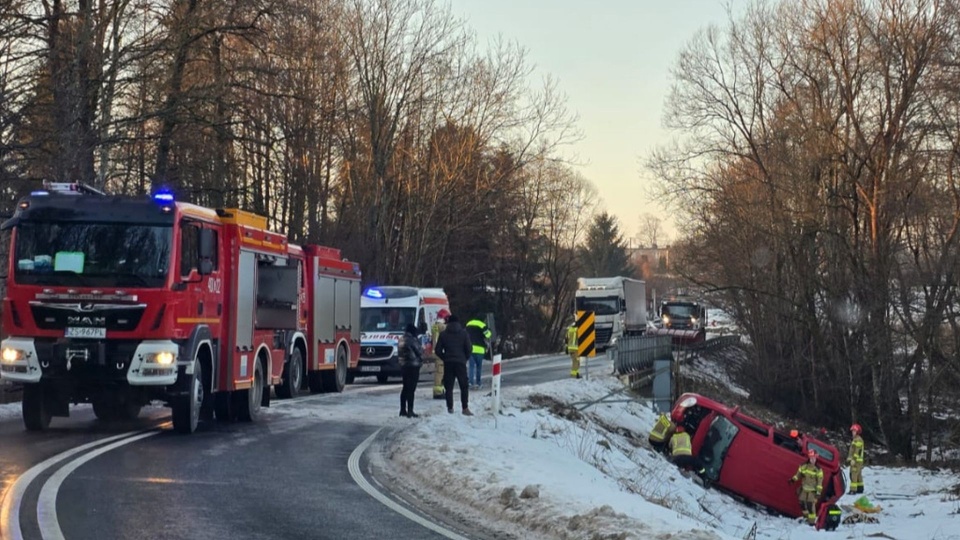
751,459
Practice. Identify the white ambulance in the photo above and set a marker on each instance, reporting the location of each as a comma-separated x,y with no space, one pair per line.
384,313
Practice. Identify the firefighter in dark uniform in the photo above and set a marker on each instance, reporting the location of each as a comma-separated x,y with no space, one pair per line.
811,486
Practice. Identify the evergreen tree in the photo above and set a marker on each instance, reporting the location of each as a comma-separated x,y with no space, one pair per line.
605,252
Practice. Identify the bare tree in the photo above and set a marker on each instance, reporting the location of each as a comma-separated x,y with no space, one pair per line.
811,139
651,228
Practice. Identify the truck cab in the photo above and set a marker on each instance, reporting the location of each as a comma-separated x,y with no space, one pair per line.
683,318
618,305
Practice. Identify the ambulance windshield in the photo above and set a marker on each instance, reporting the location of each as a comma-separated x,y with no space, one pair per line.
92,254
386,319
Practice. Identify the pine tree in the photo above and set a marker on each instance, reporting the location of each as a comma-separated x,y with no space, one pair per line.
605,252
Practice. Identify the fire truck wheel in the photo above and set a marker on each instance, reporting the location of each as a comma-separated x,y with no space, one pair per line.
186,407
36,416
334,380
248,401
292,376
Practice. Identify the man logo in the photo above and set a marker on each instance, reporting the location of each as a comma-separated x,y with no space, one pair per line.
86,321
85,306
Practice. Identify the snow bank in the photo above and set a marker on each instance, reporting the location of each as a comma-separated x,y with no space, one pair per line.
563,473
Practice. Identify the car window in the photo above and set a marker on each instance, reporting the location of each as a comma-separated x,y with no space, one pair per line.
761,430
715,445
824,453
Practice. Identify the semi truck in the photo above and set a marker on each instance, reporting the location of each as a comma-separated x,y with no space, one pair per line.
682,317
619,306
120,301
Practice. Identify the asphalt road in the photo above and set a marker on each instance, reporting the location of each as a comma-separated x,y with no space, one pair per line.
284,476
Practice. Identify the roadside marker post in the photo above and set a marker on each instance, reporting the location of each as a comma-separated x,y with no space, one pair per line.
495,402
586,339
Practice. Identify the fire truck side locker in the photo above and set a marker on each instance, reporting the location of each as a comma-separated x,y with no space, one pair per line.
334,319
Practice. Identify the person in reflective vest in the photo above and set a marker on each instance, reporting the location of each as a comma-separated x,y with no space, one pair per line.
855,460
480,338
681,451
661,433
573,350
435,329
811,486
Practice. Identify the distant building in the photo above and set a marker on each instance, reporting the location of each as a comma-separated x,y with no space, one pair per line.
649,260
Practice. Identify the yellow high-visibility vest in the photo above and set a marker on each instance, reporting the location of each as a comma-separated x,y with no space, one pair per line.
680,444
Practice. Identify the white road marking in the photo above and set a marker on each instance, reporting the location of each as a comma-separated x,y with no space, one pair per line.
10,507
354,465
47,503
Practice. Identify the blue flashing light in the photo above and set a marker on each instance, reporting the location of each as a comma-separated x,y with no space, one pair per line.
163,197
40,192
373,293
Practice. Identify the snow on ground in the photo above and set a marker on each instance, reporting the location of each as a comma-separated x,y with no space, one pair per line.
588,474
596,478
9,410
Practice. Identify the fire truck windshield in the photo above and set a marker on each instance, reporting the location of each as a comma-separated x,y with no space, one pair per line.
386,319
92,254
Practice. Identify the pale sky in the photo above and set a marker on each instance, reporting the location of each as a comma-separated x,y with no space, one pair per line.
612,59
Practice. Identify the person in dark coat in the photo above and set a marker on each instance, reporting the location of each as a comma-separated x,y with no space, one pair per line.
454,348
411,358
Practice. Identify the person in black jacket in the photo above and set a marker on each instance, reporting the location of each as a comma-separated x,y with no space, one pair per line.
411,358
454,348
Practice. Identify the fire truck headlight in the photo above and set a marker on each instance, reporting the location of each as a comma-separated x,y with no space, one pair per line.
164,358
11,355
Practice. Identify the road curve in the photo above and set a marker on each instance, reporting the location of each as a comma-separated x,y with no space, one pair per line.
289,475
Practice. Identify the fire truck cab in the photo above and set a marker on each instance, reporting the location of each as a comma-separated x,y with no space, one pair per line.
120,301
385,312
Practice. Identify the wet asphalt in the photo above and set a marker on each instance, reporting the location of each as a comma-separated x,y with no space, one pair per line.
283,477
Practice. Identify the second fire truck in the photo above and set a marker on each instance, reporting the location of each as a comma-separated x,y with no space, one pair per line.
120,301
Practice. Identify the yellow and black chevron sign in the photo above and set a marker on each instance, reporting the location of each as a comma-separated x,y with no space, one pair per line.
586,333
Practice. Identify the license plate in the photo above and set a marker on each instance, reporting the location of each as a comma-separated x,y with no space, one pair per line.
85,332
369,368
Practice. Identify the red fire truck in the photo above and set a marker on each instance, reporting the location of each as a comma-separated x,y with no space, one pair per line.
120,301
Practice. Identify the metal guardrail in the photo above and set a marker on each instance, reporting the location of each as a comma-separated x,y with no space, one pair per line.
714,344
637,353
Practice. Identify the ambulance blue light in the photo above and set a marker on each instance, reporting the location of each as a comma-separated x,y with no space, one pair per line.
373,293
163,197
39,192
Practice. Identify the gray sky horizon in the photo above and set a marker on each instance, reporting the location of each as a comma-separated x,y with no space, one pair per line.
612,59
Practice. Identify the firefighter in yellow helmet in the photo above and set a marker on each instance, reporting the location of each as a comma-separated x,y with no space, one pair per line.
855,460
811,486
661,433
573,349
681,451
438,326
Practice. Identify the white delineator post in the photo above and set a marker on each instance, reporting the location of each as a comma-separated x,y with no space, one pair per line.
495,402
